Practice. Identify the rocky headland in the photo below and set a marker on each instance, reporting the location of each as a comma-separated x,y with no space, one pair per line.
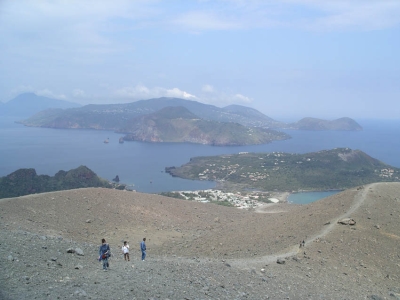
26,181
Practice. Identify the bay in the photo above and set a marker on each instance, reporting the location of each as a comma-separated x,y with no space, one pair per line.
308,197
142,164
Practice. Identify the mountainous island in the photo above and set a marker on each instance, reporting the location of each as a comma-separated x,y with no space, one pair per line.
339,168
27,104
114,116
347,124
26,181
178,124
133,119
169,124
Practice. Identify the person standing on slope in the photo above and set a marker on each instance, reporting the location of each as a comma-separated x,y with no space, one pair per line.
125,251
104,253
143,249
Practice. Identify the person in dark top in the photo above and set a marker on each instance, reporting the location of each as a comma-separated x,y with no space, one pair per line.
104,254
143,249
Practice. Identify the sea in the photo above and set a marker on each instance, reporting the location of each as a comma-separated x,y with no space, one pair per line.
141,165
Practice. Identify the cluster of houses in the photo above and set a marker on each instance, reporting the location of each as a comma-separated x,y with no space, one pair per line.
210,174
214,173
388,173
239,200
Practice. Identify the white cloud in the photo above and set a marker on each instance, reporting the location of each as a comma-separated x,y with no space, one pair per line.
210,95
175,92
205,20
299,14
139,91
40,92
22,89
142,92
243,99
207,88
50,94
356,14
78,93
225,98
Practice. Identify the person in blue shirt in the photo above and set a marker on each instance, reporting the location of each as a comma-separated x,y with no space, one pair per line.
143,249
104,253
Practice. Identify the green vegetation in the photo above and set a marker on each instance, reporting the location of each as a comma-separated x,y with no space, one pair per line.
330,169
173,195
116,116
26,181
318,124
178,124
223,203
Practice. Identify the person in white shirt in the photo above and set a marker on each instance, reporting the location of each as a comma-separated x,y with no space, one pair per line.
125,251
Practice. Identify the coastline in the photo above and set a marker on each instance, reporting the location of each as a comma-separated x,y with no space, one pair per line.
281,196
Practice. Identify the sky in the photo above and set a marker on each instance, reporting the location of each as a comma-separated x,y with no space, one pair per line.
288,59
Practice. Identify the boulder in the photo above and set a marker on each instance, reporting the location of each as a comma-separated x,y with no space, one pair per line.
347,221
280,261
79,251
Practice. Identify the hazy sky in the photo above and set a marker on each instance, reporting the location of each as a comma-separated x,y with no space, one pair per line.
288,58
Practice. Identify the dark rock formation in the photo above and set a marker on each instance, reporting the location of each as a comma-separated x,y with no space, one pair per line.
26,181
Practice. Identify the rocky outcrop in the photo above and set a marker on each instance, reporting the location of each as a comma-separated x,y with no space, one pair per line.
347,221
26,181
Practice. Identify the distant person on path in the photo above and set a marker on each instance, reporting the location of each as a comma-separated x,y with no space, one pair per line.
104,254
143,249
125,250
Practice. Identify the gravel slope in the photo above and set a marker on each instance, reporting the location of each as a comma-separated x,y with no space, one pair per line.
200,251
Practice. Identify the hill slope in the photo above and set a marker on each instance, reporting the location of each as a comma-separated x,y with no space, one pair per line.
200,250
330,169
347,124
178,124
114,116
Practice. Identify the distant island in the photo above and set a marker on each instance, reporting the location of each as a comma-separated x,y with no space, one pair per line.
27,104
116,117
165,120
178,124
347,124
26,181
339,168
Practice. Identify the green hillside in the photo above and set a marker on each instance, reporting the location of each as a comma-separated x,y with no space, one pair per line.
178,124
347,124
115,116
331,169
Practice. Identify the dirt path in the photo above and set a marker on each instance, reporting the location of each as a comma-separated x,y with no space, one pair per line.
293,250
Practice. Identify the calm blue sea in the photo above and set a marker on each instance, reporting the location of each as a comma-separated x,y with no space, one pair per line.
142,164
308,197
